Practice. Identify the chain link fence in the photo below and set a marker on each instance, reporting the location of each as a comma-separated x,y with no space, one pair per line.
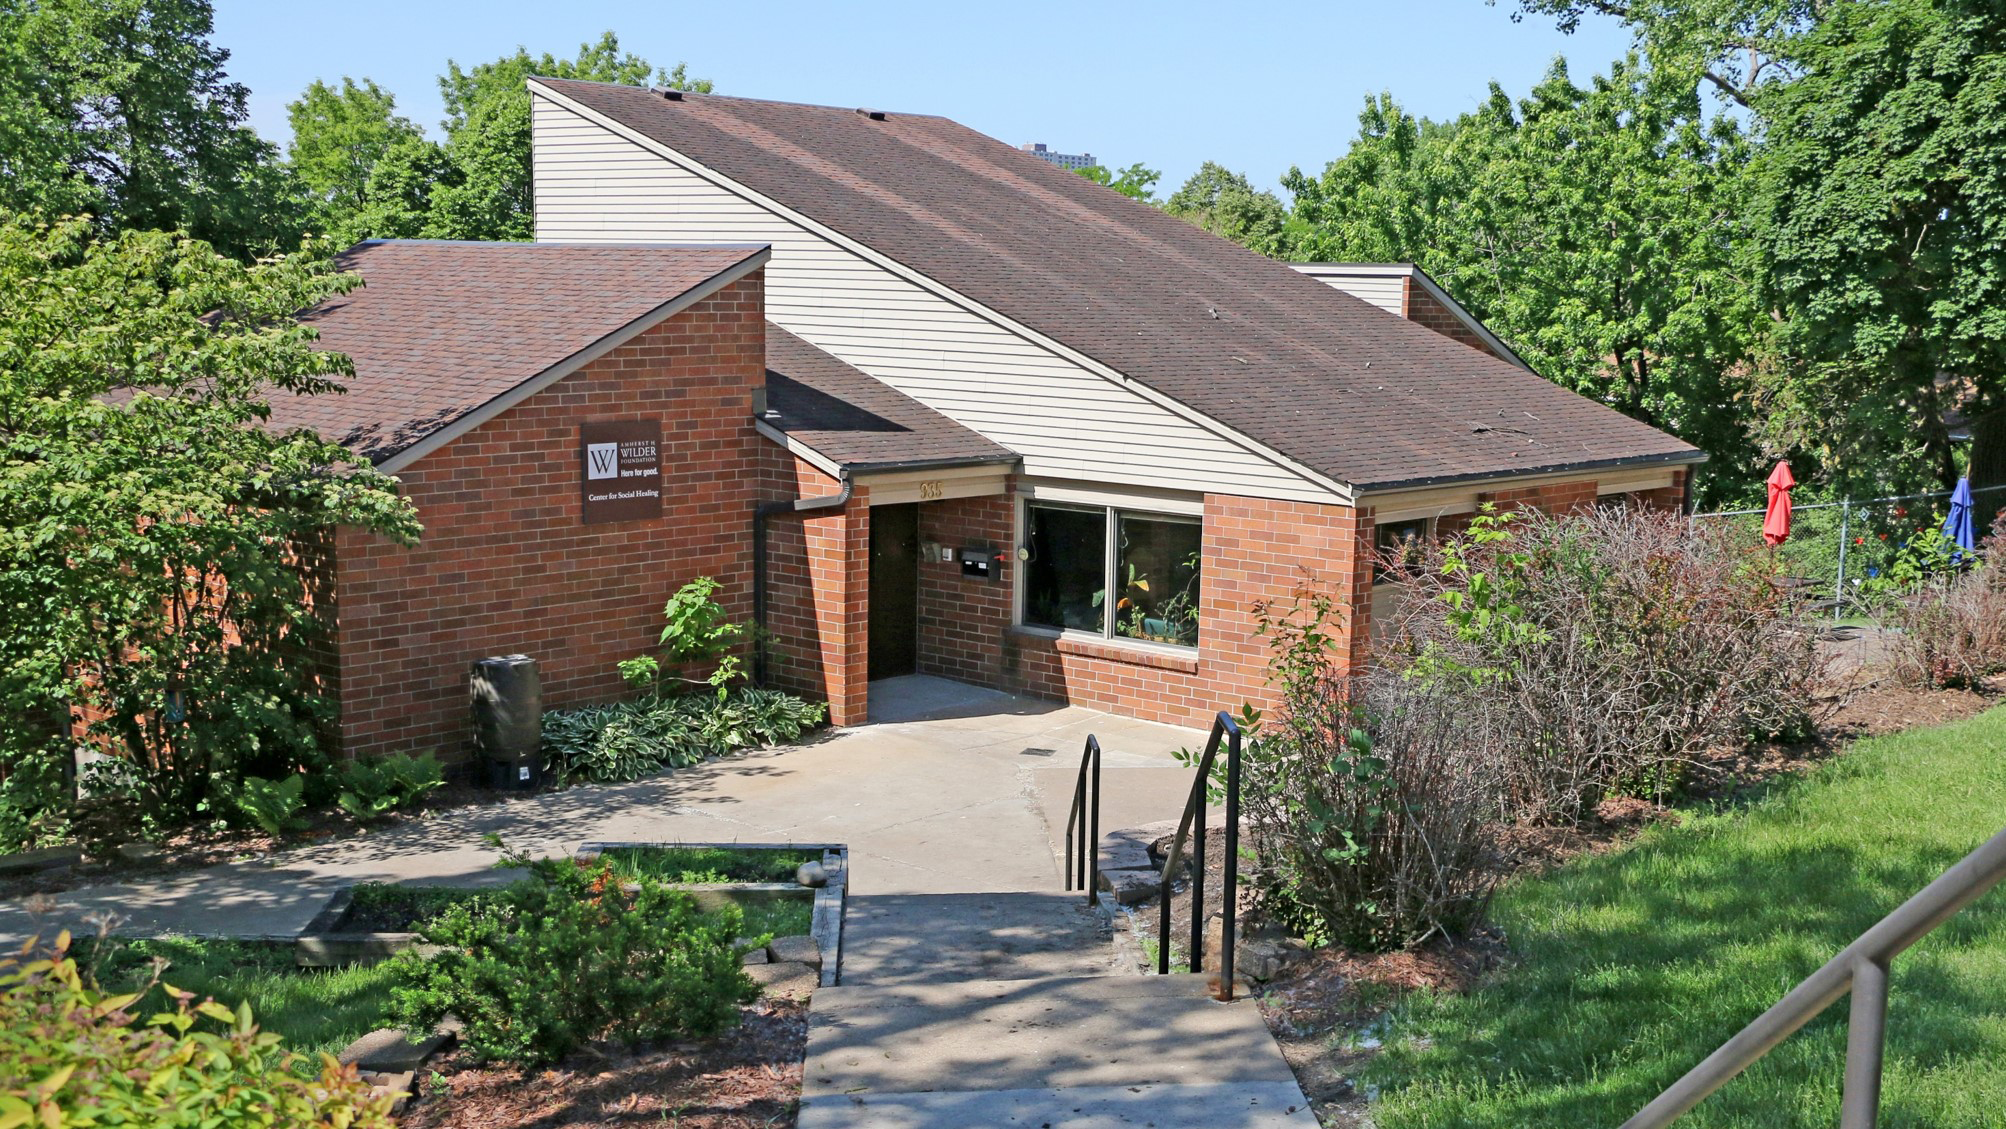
1837,550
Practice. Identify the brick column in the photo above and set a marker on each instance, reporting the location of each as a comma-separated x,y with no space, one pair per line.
839,574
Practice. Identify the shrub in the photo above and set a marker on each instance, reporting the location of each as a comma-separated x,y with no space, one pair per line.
572,955
273,806
1953,633
72,1056
696,631
1612,649
1372,804
372,789
628,740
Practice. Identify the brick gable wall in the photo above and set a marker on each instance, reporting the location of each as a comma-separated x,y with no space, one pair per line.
505,564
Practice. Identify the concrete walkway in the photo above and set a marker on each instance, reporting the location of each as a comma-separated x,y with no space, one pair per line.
951,789
974,992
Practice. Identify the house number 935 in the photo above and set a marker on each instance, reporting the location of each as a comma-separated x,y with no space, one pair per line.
929,491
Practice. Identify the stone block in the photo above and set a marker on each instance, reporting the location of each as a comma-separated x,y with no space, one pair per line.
402,1083
388,1051
32,862
800,950
753,956
1131,887
137,852
785,978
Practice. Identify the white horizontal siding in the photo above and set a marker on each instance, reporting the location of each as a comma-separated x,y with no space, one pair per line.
593,185
1387,291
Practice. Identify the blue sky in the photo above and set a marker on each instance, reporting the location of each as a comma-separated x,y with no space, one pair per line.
1257,88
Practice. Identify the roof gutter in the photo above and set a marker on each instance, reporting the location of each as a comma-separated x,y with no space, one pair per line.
1673,459
760,515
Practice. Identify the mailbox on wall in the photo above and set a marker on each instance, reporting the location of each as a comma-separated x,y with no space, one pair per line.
981,563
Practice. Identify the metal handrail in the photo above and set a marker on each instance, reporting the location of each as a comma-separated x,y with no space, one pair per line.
1223,727
1083,856
1862,969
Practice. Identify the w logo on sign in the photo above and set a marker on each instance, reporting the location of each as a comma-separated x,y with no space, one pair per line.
602,460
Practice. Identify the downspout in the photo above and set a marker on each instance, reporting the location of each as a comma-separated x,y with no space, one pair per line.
760,514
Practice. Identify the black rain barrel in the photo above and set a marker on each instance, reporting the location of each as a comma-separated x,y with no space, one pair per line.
508,720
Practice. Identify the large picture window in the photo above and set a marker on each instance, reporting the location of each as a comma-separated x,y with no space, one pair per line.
1117,573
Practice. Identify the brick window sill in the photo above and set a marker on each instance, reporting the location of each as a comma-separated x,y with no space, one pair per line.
1108,650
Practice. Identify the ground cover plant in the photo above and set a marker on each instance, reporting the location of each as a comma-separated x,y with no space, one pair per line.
1630,967
314,1010
72,1054
570,956
709,864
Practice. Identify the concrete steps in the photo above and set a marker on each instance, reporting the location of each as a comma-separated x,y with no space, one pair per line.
955,938
1085,1051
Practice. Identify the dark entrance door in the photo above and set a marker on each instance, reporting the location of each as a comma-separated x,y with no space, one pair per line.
894,589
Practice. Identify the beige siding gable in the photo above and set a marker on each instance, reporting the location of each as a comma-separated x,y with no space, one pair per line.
595,184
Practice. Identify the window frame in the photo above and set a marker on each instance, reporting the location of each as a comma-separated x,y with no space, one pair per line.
1111,515
1382,574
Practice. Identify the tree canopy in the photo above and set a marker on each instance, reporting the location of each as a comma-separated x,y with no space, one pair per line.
152,520
1137,181
1226,203
1600,229
475,184
122,109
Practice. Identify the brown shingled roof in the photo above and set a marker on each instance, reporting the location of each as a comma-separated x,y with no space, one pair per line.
854,419
440,330
1358,394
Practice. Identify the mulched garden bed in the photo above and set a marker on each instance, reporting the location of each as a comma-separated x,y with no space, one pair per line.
747,1078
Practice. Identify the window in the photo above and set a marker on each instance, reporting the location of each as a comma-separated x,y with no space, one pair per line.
1153,558
1067,570
1156,560
1401,545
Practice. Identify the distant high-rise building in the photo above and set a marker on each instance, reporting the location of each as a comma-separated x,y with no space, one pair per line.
1063,160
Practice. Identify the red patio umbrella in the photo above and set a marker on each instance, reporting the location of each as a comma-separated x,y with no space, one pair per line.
1776,520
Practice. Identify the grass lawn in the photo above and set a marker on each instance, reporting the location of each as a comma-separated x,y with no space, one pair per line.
709,864
314,1009
1633,966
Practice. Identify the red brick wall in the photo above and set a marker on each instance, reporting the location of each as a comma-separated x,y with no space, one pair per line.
818,590
1253,549
1423,309
504,564
962,620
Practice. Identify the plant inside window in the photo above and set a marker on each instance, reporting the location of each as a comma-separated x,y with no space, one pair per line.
1158,564
1402,547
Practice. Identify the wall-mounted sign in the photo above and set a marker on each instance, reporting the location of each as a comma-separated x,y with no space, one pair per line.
620,470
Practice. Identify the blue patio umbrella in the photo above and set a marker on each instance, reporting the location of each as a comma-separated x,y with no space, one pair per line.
1959,526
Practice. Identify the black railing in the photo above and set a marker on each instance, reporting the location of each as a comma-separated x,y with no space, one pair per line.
1083,851
1862,969
1223,727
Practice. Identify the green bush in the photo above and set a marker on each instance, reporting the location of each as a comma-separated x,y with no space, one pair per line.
273,806
372,789
628,740
572,955
695,631
72,1056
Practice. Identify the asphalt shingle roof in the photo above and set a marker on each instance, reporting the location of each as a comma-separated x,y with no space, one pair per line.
1358,394
857,420
440,328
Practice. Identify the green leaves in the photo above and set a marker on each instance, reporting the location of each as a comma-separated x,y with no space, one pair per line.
158,537
374,175
273,806
571,955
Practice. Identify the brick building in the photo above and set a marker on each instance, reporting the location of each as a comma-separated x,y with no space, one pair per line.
920,401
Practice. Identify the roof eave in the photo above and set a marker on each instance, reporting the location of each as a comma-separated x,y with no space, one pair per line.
1673,458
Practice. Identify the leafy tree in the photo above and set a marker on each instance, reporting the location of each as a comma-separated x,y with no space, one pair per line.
1735,47
1600,229
122,108
378,176
341,136
153,524
1225,203
1883,211
1137,181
